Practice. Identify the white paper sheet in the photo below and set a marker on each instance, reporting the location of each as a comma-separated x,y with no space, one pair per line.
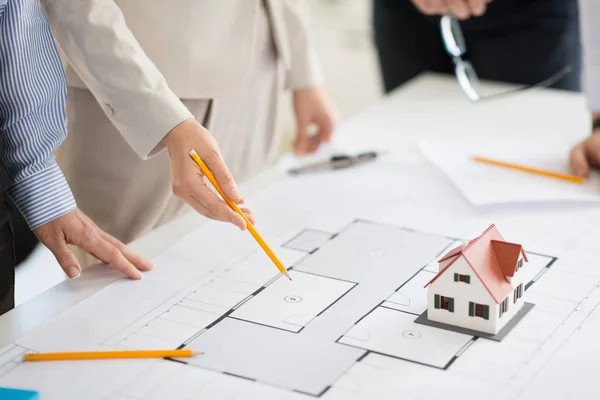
384,234
482,184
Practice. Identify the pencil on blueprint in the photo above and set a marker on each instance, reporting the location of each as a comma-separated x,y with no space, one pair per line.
90,355
550,174
235,208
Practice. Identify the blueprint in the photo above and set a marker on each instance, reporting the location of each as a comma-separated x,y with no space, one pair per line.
344,327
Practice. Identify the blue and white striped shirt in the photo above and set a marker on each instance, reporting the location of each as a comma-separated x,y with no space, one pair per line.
32,112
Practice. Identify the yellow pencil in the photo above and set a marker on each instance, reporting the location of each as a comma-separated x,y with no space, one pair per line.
551,174
235,208
89,355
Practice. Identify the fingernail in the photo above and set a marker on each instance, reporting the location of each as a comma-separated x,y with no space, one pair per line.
73,272
139,275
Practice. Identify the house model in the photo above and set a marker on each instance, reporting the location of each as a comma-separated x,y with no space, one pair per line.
479,285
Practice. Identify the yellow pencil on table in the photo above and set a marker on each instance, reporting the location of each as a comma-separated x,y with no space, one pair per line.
91,355
235,208
550,174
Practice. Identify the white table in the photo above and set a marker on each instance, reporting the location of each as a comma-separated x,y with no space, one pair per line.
430,104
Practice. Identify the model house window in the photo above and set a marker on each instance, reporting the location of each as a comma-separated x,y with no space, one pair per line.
479,310
518,292
503,307
444,303
520,287
462,278
519,264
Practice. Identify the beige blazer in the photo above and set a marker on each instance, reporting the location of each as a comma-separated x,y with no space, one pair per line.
139,57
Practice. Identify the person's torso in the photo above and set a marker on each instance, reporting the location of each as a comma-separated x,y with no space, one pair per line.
202,47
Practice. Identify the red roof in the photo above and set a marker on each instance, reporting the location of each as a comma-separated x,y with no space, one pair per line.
491,258
508,255
454,252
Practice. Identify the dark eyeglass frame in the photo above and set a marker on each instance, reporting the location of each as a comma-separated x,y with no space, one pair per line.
454,43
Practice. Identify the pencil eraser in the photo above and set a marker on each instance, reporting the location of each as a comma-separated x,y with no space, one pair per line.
192,152
18,394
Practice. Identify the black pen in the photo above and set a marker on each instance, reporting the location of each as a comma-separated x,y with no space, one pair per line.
336,162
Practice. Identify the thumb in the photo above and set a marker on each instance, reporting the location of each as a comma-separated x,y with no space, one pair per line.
579,162
65,258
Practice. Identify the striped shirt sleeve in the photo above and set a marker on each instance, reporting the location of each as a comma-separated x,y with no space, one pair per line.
32,112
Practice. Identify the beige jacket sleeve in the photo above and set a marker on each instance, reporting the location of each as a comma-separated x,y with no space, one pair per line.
589,13
305,70
95,39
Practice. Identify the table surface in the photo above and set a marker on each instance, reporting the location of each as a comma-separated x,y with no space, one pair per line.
431,104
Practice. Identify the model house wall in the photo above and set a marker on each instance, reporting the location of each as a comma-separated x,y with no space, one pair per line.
513,307
462,294
464,301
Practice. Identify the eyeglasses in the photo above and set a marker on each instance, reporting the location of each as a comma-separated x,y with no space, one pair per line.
454,42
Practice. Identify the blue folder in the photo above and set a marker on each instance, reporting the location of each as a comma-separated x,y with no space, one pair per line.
18,394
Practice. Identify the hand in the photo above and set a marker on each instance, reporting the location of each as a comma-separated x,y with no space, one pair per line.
586,155
76,228
313,107
462,9
188,182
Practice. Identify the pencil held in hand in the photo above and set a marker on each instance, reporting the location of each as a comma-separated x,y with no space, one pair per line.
209,175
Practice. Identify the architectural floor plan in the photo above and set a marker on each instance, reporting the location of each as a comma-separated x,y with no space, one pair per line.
354,293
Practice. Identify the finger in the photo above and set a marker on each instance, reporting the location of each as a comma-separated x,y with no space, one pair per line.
65,257
103,250
217,166
430,7
592,151
578,161
134,258
439,7
313,136
248,214
326,128
301,145
302,138
313,143
459,8
477,7
206,202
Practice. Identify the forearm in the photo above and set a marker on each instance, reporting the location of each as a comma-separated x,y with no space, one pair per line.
99,46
